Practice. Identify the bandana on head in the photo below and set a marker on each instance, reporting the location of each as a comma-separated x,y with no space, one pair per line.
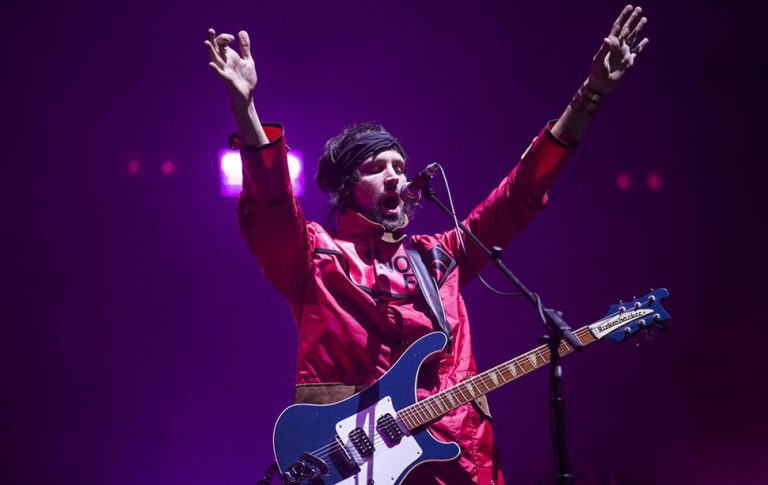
331,171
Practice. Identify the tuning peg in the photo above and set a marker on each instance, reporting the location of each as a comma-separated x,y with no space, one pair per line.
651,290
651,300
622,308
638,305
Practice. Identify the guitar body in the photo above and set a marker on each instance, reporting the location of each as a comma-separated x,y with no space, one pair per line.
347,442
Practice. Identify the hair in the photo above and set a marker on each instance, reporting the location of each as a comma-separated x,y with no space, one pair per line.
339,184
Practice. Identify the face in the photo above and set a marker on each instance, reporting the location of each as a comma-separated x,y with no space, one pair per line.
376,195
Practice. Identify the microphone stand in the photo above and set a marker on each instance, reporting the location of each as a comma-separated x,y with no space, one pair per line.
557,331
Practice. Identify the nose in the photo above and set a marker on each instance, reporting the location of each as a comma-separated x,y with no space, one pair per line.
391,180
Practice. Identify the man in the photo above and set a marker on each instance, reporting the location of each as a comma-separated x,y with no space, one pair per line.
352,292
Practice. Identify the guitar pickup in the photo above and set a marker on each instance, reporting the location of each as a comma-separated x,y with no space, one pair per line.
389,429
361,442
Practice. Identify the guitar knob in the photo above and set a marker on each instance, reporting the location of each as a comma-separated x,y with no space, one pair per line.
641,323
638,305
651,300
622,309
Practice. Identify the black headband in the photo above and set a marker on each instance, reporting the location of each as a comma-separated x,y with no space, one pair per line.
333,169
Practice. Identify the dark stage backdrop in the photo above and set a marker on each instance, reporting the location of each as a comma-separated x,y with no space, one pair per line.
141,344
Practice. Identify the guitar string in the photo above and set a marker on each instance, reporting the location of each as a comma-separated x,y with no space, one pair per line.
427,406
435,405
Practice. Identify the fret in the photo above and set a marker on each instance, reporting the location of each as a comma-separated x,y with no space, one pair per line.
494,377
431,405
444,402
428,409
440,405
471,389
460,388
421,412
479,379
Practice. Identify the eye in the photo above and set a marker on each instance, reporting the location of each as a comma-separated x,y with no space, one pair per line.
371,167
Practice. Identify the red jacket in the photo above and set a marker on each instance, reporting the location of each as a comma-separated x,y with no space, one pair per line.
355,299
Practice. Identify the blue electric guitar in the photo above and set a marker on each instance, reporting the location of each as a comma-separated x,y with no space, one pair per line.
379,435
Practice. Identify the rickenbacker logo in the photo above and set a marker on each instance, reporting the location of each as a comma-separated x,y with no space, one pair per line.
608,325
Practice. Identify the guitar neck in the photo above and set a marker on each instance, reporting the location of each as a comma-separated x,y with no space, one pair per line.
441,403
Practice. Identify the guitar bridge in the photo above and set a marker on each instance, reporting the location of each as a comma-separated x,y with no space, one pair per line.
309,467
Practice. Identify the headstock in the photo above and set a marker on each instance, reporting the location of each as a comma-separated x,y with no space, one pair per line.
627,318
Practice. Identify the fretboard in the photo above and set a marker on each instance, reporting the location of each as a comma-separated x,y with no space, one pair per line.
439,404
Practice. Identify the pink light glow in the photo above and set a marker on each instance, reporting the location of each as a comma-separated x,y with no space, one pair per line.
231,172
134,167
654,181
623,181
167,168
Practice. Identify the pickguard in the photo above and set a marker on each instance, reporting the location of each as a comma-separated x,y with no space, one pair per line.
390,459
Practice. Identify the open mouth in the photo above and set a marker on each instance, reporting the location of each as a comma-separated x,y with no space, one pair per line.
391,203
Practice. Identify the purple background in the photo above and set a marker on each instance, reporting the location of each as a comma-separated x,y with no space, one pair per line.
141,344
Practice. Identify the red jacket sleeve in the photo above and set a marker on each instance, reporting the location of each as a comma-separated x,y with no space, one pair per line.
269,215
511,205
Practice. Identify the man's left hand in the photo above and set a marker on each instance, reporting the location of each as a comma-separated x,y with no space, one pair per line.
618,51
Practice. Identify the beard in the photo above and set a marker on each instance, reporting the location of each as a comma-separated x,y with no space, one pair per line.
378,213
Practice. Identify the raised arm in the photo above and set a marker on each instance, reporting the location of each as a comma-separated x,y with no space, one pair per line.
239,75
269,216
610,64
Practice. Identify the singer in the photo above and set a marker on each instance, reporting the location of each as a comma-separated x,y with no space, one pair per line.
353,291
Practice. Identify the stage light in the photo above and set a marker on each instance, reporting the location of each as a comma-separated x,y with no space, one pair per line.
134,167
623,181
167,168
296,169
654,182
231,172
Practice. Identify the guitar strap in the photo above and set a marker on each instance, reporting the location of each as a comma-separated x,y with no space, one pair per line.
431,293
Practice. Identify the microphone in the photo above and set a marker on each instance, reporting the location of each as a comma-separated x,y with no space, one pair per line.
411,192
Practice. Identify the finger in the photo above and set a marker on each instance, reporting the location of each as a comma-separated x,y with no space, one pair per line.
222,43
245,44
636,31
217,69
639,47
213,54
631,22
603,51
616,28
224,39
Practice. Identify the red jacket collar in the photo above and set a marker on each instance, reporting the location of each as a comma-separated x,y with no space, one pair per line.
352,224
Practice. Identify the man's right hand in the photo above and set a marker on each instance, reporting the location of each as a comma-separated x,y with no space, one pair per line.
237,71
239,75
